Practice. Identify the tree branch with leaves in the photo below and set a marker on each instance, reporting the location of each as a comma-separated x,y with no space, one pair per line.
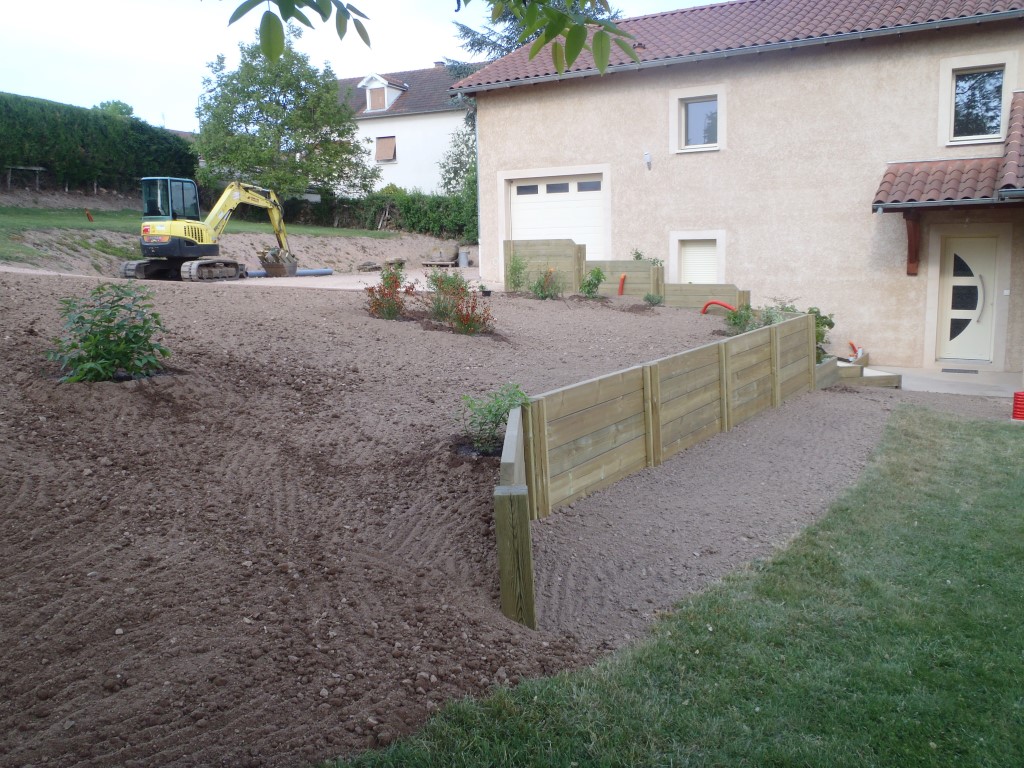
569,28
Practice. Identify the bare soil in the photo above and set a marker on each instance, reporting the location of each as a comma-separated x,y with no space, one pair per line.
279,552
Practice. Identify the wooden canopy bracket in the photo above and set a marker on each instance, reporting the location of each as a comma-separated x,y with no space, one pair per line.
913,220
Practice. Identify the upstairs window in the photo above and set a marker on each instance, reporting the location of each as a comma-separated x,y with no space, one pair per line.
386,150
376,98
978,103
699,121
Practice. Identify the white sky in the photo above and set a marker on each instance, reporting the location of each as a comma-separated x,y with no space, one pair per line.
153,54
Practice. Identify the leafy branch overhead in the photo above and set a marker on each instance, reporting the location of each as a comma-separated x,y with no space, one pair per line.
566,27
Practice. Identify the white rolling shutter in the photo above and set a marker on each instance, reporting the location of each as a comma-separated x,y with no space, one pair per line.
698,261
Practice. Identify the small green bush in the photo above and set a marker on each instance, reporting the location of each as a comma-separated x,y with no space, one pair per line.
744,319
515,273
448,291
109,334
548,285
653,299
484,418
592,282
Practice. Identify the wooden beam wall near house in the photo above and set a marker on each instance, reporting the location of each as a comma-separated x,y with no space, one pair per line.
515,554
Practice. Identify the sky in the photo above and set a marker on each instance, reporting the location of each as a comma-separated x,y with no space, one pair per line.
153,54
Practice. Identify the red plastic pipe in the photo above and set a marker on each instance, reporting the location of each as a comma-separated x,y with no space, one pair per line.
622,283
704,309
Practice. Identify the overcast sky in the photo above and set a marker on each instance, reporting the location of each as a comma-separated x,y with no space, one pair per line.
153,54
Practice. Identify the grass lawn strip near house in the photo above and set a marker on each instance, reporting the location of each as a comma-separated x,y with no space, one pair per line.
890,633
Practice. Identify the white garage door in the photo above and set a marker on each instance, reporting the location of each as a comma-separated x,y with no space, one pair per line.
561,208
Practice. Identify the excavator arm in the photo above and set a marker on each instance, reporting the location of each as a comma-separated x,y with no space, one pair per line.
238,193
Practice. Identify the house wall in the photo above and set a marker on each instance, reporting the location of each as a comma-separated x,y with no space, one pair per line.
808,133
421,141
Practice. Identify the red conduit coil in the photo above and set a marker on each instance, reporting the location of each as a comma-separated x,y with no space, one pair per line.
622,283
704,309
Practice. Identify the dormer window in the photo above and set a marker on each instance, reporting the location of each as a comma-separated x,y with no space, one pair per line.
376,98
381,92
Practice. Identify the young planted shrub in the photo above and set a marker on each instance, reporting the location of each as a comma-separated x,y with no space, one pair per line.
484,419
515,273
592,282
471,316
547,286
653,299
387,299
109,335
448,291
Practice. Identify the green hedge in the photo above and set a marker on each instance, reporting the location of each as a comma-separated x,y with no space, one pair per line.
447,216
80,147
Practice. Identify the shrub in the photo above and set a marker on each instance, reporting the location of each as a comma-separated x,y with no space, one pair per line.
387,300
515,273
469,318
448,290
653,299
744,319
547,286
484,418
822,325
592,282
109,335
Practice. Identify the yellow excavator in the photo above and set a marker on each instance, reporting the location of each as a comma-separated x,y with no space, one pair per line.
177,245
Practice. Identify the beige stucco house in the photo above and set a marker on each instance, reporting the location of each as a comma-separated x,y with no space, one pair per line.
862,157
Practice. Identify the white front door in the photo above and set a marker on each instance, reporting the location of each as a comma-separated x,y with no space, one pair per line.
967,291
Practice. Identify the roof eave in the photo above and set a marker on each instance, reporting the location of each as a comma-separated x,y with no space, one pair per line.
765,48
1000,199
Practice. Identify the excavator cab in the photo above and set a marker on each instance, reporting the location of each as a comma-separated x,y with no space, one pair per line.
169,199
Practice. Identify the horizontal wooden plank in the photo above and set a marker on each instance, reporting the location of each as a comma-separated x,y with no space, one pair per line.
790,356
752,391
674,365
795,386
749,340
793,341
793,325
750,409
680,386
709,394
694,421
597,472
751,373
597,417
691,439
581,450
699,289
796,369
566,400
604,483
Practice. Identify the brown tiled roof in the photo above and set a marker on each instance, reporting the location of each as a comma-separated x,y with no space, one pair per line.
746,26
426,91
961,180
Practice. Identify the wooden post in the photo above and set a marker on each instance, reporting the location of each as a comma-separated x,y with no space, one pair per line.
652,415
742,297
541,472
776,375
725,388
812,363
515,554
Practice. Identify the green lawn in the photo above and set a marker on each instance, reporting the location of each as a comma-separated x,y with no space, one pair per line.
14,222
889,634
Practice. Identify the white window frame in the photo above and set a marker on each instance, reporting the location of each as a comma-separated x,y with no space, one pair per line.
672,262
949,69
678,99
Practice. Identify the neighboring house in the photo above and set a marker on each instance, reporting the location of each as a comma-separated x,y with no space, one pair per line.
409,118
860,156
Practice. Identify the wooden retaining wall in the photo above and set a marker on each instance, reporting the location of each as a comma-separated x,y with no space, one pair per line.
573,441
642,277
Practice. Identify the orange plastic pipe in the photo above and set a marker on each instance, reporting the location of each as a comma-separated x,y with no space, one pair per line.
704,309
622,283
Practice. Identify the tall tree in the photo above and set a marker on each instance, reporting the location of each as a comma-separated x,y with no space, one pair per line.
568,27
116,107
510,31
279,123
